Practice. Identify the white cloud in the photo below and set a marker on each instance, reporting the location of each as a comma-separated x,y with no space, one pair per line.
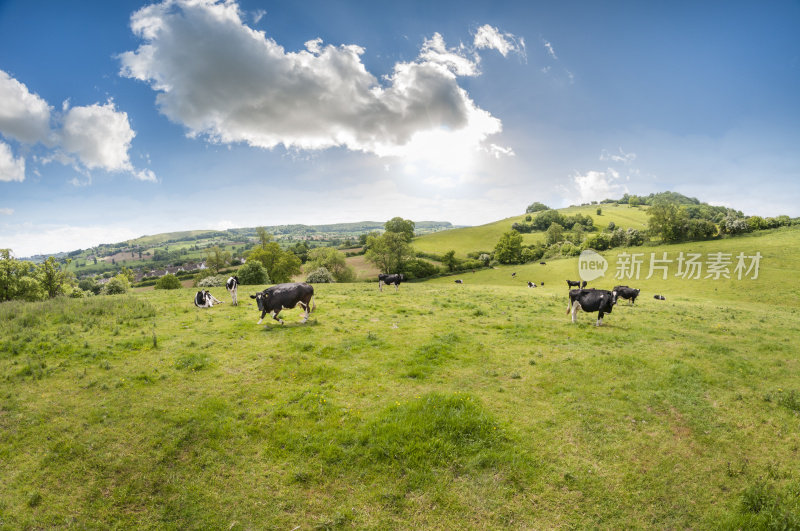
550,51
258,15
30,239
23,116
622,157
225,81
6,211
99,135
490,37
11,169
598,185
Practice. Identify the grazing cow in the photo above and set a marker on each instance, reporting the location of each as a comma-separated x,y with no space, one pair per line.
204,299
232,284
389,280
659,297
513,274
459,281
541,283
576,283
531,284
542,263
591,300
627,293
285,297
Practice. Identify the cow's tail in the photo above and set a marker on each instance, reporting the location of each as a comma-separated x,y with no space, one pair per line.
313,304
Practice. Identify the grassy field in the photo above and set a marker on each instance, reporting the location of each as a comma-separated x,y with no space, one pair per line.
441,406
485,237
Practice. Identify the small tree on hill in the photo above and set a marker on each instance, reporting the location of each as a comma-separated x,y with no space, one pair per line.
252,273
401,226
389,251
333,261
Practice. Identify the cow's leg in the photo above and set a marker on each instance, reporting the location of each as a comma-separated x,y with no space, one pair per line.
262,316
380,285
396,287
307,309
599,319
275,316
575,306
233,296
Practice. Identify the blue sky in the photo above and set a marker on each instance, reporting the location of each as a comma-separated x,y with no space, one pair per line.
125,118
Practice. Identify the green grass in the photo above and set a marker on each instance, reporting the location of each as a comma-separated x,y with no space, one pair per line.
485,237
439,406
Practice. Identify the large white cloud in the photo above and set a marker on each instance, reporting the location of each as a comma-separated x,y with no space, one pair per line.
11,169
23,116
99,136
222,79
599,185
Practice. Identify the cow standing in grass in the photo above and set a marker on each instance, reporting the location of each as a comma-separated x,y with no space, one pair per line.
285,297
591,300
232,286
576,284
390,279
627,293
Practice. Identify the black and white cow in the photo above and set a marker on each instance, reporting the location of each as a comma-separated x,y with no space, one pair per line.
659,297
458,281
232,285
389,280
591,300
627,293
531,284
576,284
204,299
285,297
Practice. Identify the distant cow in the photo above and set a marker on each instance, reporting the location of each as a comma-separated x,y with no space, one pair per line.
204,299
541,283
627,293
576,284
531,284
513,274
232,284
542,263
659,297
591,300
459,281
389,280
285,297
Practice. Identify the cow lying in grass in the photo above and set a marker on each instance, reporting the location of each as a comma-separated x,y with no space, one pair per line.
591,300
285,297
204,299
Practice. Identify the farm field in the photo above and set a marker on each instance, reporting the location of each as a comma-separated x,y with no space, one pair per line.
439,406
484,237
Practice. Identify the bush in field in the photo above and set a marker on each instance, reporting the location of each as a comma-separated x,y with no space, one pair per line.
417,268
168,282
252,273
333,261
321,275
213,281
117,285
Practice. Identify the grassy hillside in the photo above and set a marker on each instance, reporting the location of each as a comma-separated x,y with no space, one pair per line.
485,237
439,406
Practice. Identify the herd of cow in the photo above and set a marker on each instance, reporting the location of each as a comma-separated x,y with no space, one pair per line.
290,295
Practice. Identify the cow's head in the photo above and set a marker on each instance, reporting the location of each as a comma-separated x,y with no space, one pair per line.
261,300
614,297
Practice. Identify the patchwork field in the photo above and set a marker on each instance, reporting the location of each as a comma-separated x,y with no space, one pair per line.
440,406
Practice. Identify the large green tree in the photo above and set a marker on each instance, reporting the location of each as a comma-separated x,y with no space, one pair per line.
667,220
401,226
53,279
280,265
389,252
509,249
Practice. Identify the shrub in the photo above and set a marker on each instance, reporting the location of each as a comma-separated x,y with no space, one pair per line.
321,275
252,273
598,242
417,268
117,285
168,281
212,281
